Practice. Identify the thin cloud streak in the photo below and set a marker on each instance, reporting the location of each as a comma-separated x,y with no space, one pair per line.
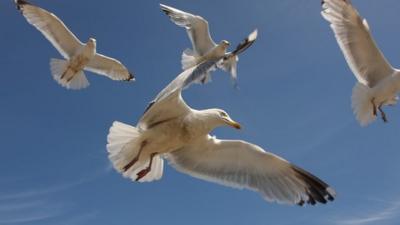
379,216
16,206
29,219
58,187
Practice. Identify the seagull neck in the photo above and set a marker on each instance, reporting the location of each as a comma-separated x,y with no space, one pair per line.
204,122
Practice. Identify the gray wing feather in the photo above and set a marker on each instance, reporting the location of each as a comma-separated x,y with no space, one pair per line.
196,27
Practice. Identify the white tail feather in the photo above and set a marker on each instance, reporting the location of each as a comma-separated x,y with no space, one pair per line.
124,143
362,105
189,59
59,67
230,65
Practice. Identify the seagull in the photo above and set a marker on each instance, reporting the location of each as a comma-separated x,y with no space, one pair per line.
204,48
378,82
170,129
78,56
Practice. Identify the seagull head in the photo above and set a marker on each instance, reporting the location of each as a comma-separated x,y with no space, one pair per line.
92,41
225,43
218,117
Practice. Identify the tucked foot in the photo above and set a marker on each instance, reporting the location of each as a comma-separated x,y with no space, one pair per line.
384,118
130,164
134,160
374,112
142,173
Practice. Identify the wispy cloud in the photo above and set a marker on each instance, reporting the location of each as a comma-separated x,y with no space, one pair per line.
387,213
31,211
57,187
37,205
27,219
16,206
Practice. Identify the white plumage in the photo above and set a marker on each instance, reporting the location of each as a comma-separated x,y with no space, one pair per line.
378,82
78,56
171,129
204,48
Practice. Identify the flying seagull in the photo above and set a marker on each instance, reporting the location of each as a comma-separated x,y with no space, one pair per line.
169,129
378,82
204,48
78,56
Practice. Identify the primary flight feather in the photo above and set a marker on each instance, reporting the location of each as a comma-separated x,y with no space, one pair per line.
78,56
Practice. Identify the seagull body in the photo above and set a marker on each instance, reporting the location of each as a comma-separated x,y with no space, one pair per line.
378,82
78,56
204,48
170,129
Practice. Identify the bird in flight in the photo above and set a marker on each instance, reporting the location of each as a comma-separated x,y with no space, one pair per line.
78,56
204,48
378,82
172,130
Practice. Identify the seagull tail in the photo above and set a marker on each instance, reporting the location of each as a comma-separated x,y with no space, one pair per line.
66,77
229,65
362,105
189,59
124,143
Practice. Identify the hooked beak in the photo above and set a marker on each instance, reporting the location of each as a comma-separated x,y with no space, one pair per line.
233,124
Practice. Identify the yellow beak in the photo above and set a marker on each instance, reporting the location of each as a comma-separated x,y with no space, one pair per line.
233,124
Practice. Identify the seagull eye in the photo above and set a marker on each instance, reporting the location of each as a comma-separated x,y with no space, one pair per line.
223,114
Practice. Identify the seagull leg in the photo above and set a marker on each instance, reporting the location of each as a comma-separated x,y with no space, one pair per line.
374,107
384,118
144,172
134,160
64,73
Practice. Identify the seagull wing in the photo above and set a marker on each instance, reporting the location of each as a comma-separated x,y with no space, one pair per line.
196,27
246,43
169,103
51,27
356,42
244,165
109,67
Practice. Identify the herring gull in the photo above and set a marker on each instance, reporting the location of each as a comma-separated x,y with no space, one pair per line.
204,48
170,129
78,56
378,82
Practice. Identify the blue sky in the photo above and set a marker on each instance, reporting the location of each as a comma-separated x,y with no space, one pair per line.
294,100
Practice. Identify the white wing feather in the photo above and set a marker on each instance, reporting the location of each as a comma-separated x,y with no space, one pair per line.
243,165
52,28
356,42
109,67
196,27
169,102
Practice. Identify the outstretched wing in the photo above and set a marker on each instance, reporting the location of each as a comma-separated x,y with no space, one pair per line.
168,103
356,42
244,165
196,27
109,67
51,27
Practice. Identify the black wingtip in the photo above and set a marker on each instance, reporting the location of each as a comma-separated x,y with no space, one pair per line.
317,190
131,77
20,3
165,9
